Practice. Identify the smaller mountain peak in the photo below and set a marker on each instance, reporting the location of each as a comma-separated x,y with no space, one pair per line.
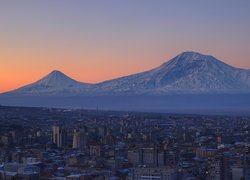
56,79
56,75
56,72
190,52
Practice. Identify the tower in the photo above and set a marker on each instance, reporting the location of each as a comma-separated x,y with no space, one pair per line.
76,139
79,139
59,136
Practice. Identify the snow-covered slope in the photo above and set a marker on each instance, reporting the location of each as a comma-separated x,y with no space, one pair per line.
54,83
189,72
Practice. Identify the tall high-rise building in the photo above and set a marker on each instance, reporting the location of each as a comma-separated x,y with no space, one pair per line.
55,135
149,157
237,173
134,157
79,139
59,136
76,139
215,170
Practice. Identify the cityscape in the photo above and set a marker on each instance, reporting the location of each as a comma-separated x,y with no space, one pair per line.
125,90
50,143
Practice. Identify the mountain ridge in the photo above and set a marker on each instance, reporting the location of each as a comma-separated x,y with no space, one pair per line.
172,74
188,72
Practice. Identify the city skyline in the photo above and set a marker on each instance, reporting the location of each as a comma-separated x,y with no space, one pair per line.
97,41
129,90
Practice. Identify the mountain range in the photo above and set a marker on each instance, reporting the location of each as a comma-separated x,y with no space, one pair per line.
188,83
188,72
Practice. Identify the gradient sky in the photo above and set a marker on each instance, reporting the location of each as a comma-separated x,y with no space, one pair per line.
96,40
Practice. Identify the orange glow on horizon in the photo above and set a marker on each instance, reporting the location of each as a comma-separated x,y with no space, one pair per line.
97,40
20,71
23,73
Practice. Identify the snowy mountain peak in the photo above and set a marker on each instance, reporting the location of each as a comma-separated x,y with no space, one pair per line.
56,77
56,72
191,57
53,83
194,60
191,54
188,72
